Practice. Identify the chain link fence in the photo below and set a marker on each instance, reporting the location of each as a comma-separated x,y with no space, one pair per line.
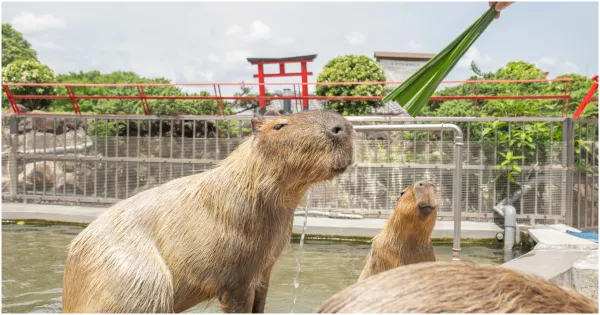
99,160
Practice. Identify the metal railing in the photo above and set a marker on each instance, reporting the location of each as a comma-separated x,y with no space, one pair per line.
141,97
457,183
101,159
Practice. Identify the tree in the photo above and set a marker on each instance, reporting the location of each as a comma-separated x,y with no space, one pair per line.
103,106
30,71
14,46
581,86
514,70
352,68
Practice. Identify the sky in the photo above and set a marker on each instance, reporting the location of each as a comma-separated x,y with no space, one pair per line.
190,42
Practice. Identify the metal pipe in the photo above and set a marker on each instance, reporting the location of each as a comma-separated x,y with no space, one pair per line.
12,166
510,227
412,127
287,103
457,187
329,214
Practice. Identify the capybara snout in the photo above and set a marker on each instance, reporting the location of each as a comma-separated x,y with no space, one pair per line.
425,195
323,139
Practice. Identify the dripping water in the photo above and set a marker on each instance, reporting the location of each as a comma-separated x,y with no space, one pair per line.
299,252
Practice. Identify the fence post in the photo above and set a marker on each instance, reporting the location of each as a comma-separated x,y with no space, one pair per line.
12,158
457,193
568,162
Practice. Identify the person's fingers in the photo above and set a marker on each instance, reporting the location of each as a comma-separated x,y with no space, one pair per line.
502,5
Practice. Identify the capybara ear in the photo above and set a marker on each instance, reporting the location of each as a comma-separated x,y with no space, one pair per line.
257,122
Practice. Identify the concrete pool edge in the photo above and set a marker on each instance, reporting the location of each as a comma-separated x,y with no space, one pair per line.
325,227
564,259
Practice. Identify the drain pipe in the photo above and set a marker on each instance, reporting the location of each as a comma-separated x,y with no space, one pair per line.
511,228
505,208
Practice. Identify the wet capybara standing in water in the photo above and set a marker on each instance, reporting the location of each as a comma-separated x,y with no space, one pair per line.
406,238
213,234
456,287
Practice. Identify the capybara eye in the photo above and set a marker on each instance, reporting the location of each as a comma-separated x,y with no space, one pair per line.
402,193
279,126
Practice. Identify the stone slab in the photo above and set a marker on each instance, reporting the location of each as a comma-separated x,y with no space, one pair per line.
555,237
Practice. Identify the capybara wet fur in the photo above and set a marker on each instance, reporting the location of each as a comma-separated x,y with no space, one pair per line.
456,287
406,237
211,235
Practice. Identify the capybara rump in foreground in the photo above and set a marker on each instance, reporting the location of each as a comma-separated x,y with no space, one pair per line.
213,234
456,287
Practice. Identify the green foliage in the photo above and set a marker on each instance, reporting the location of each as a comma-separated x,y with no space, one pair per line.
527,139
580,86
103,106
30,71
456,108
510,160
14,46
352,68
517,70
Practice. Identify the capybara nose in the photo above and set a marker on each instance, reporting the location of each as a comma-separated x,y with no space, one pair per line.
337,131
425,183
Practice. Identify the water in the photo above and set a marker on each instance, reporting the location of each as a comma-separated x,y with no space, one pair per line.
297,278
33,262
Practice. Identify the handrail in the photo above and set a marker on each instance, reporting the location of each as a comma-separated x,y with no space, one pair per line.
276,83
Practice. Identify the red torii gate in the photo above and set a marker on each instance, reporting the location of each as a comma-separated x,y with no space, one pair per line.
282,61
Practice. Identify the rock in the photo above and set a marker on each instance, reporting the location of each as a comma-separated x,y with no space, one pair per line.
40,174
48,125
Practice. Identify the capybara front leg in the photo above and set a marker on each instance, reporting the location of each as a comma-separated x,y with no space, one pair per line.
238,300
260,294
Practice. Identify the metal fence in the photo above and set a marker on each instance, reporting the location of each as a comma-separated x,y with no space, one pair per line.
552,163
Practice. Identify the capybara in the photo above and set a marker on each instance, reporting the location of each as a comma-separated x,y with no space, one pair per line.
456,287
406,237
213,234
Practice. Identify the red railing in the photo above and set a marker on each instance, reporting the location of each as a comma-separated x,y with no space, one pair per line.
143,97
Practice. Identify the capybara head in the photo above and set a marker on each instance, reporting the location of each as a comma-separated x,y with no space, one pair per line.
456,287
305,147
423,195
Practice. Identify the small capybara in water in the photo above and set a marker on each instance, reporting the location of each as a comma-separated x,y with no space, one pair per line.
456,287
406,238
213,234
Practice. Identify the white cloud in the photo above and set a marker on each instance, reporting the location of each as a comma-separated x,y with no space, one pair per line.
45,44
284,41
556,66
258,31
414,45
208,75
213,58
473,54
236,57
356,38
27,22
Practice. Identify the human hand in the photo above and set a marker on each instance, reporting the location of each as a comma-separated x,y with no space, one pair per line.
500,6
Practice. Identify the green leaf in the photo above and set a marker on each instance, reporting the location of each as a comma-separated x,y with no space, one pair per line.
516,167
414,93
